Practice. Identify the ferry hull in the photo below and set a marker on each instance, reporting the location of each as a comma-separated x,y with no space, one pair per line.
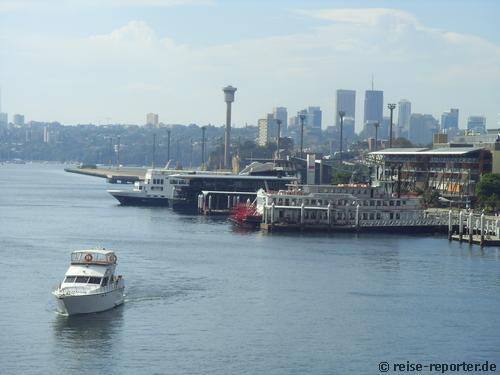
86,304
139,200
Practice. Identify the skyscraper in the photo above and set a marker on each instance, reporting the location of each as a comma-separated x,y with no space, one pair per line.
268,129
4,119
374,109
404,113
422,128
18,120
280,113
449,120
346,101
477,124
314,117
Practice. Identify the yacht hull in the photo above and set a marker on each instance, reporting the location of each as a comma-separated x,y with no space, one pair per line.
90,303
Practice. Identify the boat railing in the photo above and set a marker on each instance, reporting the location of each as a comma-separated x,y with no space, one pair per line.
86,290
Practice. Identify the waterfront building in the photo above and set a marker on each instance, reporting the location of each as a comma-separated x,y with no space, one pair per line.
449,120
18,119
404,113
422,128
345,101
152,119
374,108
451,171
476,124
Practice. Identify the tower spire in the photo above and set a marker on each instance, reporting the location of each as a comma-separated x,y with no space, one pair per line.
372,81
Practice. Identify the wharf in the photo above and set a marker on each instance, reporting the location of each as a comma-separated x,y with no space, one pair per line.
214,202
428,227
113,175
477,239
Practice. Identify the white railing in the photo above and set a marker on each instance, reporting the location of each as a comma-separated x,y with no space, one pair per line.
84,290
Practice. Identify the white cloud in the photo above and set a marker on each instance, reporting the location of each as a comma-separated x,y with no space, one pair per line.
133,70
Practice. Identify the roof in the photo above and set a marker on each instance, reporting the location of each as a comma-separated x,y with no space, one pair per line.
95,251
400,151
233,177
452,150
426,151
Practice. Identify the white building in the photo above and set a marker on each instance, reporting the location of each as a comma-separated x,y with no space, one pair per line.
152,119
268,130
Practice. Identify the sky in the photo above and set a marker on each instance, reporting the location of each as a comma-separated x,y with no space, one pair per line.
113,61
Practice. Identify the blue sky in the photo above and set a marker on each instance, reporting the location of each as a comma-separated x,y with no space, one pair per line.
78,61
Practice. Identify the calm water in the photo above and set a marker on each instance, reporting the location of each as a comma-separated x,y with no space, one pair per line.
206,298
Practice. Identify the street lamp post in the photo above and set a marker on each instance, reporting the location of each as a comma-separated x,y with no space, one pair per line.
341,114
203,147
168,145
154,151
302,117
376,125
278,121
391,107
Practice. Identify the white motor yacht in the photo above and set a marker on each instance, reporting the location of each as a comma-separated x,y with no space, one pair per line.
90,284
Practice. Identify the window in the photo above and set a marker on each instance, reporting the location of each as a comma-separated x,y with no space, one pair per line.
372,216
391,203
70,279
378,203
372,203
378,215
82,279
95,280
105,281
398,203
365,216
397,215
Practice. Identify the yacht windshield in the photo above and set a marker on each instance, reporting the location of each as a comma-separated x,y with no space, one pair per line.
82,279
95,280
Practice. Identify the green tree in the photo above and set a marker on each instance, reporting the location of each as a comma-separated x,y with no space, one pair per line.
341,178
402,142
488,191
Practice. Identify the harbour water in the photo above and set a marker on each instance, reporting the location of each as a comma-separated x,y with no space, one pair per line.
204,297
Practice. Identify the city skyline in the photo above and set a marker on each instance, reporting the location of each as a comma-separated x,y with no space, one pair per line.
133,64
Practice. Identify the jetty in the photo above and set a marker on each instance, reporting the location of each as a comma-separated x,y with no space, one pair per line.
114,175
474,228
213,202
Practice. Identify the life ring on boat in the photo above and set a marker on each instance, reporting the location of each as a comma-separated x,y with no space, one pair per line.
112,258
88,258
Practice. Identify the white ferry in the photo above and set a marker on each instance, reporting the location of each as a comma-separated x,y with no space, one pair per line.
90,284
180,189
159,188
